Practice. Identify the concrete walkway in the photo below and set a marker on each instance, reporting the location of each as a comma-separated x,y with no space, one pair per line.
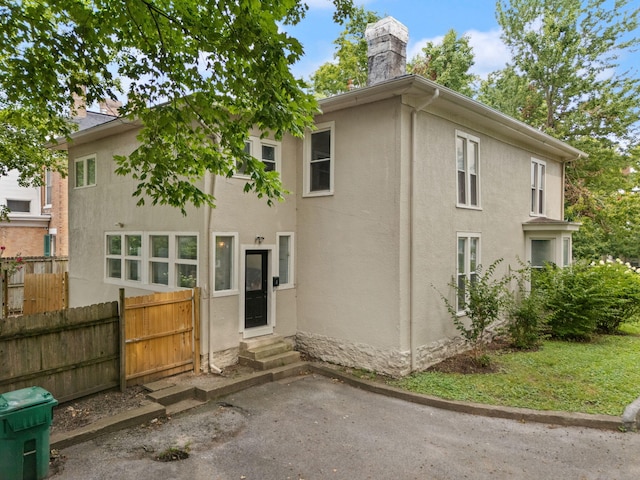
315,425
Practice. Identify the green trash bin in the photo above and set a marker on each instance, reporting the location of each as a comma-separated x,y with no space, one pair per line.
25,418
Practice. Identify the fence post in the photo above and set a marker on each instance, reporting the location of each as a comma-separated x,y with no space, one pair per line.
196,330
123,351
5,294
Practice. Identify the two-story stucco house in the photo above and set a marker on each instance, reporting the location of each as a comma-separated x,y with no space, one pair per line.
402,186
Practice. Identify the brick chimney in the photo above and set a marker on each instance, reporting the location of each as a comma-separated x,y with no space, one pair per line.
110,107
79,108
387,49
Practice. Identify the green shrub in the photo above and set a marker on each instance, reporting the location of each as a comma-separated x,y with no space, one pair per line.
527,315
482,299
586,299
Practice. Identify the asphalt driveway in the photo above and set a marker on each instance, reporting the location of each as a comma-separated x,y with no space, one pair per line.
312,427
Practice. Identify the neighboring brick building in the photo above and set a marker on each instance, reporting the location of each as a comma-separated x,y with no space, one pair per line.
38,222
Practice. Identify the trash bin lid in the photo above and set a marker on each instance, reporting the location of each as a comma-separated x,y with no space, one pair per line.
24,398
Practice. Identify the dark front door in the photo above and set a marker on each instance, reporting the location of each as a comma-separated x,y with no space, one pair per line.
255,294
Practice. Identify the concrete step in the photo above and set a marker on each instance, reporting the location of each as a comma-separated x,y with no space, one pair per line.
258,342
174,394
266,351
183,405
274,361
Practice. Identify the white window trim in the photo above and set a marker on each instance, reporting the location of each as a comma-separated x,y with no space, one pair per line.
291,282
467,260
84,160
537,210
234,290
145,258
257,142
48,187
469,138
321,127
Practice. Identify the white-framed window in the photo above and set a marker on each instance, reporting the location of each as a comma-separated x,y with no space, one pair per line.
160,259
85,171
319,160
467,170
225,261
542,251
265,150
538,178
566,251
285,259
48,188
468,259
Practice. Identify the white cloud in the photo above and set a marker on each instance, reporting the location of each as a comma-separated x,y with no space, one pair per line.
489,52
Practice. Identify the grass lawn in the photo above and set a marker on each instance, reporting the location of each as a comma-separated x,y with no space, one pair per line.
601,377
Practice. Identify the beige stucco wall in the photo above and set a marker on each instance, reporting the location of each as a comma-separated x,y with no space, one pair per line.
96,210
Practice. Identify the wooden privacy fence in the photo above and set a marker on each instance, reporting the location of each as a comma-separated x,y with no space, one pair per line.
45,292
76,352
12,291
71,353
161,335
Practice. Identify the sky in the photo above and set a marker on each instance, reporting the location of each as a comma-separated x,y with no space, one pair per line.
427,20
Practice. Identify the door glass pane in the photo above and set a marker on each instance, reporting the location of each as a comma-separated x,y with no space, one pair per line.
159,246
187,247
283,259
160,273
187,275
253,276
224,263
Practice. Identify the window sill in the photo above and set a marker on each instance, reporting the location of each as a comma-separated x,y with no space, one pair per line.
323,193
468,207
225,293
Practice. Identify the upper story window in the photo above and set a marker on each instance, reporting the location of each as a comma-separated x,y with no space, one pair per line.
468,170
268,151
48,187
538,178
85,171
19,206
319,160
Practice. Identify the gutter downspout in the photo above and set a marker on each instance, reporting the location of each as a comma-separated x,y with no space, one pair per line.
210,178
413,160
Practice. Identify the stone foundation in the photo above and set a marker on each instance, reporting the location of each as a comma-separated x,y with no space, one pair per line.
221,359
387,361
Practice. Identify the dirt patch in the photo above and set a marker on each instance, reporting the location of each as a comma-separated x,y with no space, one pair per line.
78,413
471,362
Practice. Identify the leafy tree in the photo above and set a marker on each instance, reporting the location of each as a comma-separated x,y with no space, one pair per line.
351,67
447,63
195,70
561,80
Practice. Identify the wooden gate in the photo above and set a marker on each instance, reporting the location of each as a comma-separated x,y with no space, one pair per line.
45,292
161,335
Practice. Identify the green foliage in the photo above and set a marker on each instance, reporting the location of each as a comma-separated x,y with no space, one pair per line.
447,63
481,300
586,299
526,315
560,80
595,378
194,70
350,70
